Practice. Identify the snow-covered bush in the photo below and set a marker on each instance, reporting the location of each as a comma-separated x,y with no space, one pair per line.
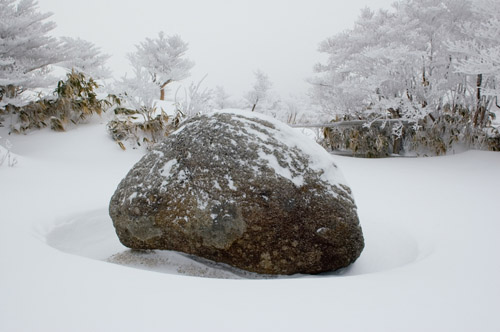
144,121
195,100
143,118
131,126
436,134
74,100
369,139
139,120
297,109
6,156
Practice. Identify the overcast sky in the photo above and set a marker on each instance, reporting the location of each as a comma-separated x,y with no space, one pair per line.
228,40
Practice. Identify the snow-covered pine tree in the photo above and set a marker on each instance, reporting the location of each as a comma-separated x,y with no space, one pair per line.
26,48
84,57
164,59
27,52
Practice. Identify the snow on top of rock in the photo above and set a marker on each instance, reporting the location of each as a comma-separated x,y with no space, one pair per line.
167,168
283,171
319,159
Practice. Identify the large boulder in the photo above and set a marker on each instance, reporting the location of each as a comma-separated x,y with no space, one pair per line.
242,189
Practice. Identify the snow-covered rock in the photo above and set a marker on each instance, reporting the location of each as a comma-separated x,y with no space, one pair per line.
243,189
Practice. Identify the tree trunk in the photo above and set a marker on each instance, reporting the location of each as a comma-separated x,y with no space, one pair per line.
479,82
255,104
162,89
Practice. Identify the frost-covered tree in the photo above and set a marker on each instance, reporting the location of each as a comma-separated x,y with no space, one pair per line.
164,58
477,57
436,22
28,52
346,82
220,97
137,92
85,57
26,48
392,60
432,63
261,90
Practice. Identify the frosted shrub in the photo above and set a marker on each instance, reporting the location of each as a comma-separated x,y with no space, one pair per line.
371,141
435,134
452,128
74,101
195,100
143,127
6,156
157,63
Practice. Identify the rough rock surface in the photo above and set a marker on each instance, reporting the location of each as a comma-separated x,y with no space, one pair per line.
242,189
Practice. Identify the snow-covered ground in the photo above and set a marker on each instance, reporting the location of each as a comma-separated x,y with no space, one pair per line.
431,262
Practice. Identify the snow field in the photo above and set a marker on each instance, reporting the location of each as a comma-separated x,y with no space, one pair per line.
431,261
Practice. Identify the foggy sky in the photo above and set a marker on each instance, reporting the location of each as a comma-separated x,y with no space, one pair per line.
228,40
